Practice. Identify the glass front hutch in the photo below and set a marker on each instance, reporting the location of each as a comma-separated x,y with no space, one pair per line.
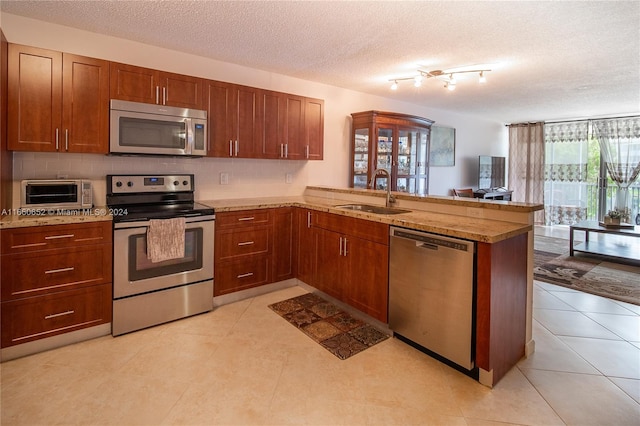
398,143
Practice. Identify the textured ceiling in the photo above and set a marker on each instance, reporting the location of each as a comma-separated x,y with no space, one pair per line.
550,60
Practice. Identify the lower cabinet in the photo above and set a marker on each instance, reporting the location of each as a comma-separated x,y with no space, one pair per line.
344,257
348,259
55,279
34,318
253,248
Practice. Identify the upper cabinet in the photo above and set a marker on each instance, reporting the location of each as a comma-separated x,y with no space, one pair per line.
231,114
398,143
246,122
57,101
137,84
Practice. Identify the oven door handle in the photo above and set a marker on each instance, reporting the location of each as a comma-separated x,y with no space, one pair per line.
145,223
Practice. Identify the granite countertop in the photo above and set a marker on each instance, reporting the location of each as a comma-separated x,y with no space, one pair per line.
471,228
475,229
19,218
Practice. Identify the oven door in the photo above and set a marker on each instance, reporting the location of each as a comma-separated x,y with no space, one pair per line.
134,274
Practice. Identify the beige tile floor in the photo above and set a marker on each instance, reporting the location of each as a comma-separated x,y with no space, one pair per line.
243,364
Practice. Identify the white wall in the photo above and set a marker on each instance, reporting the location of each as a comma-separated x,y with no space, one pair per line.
247,177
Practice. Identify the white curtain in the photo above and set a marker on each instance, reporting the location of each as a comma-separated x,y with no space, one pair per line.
565,172
526,164
619,140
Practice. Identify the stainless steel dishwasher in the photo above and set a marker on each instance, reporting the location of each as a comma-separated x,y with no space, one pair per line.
431,293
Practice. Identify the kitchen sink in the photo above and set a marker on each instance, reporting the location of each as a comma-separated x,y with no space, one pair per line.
367,208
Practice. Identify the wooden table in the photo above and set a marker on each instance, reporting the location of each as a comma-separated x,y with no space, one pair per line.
621,251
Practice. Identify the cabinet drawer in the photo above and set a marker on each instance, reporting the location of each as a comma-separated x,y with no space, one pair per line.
241,274
32,274
44,316
242,242
243,218
34,238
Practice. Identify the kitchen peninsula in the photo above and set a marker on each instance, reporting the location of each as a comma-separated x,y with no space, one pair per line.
504,269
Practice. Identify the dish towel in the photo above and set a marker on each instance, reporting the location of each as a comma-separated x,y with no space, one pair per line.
165,239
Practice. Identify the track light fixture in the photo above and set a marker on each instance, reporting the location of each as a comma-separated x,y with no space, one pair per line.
449,77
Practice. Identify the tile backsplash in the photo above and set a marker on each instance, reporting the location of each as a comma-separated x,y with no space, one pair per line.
246,177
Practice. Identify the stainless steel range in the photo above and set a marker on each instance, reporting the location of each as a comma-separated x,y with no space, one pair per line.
162,250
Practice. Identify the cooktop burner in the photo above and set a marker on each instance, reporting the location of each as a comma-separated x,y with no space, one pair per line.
144,197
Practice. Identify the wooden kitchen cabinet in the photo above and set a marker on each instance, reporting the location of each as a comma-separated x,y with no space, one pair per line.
55,279
284,250
233,121
138,84
242,250
306,246
398,143
246,122
57,102
314,128
353,261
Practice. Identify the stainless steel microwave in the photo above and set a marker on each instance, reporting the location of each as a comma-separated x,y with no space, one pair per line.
138,128
56,194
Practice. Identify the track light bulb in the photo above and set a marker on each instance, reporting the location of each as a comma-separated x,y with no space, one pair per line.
482,78
394,86
451,86
418,80
452,80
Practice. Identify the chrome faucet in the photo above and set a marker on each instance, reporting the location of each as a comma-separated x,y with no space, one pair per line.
390,198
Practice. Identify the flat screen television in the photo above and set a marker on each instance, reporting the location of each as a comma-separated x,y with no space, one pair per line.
491,172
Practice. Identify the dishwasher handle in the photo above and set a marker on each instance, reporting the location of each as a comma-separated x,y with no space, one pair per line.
433,241
426,246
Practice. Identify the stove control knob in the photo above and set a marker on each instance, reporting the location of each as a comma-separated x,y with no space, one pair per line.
118,184
176,183
129,184
185,183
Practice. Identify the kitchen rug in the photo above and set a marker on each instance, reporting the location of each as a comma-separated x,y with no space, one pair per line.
331,327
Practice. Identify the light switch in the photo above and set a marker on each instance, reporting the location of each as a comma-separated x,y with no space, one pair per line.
224,178
288,178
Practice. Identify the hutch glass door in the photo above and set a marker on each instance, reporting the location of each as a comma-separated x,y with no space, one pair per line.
361,158
384,157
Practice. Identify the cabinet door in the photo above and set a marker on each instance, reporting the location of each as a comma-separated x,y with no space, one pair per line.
283,244
34,110
384,156
271,108
135,84
314,128
307,244
294,134
332,268
219,117
245,122
181,91
85,105
367,287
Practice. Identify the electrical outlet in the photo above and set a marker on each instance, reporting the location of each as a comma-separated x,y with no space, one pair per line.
288,178
224,178
62,176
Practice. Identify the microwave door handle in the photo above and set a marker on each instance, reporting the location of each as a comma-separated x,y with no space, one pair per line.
189,128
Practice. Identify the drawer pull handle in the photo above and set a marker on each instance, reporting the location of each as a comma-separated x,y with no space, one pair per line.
54,271
242,219
246,243
248,274
55,237
59,315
